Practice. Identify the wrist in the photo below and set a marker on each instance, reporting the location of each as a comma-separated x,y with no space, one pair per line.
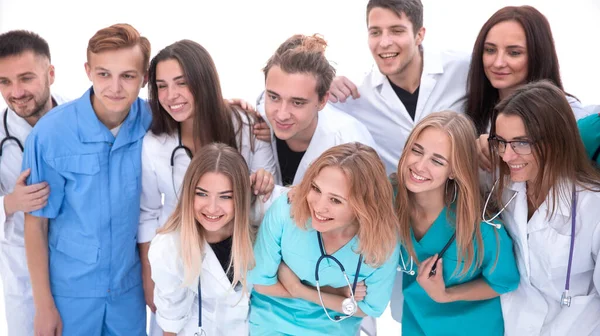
46,302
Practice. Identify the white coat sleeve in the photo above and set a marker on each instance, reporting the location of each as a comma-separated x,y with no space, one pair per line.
595,255
150,199
356,132
174,302
262,156
578,110
3,219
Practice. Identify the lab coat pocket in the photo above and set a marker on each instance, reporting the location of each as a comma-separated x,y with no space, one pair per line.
85,253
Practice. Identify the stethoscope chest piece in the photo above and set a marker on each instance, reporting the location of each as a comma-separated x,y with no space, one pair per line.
349,306
565,299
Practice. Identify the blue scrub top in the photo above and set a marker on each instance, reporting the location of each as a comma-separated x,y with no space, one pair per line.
589,129
94,203
279,238
423,316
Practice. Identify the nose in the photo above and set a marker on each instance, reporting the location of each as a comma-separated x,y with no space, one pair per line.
421,164
17,91
172,93
212,205
385,40
509,154
115,84
321,204
500,60
283,111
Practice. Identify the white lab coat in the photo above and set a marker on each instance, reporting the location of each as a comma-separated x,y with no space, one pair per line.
159,185
333,128
443,87
224,310
18,297
542,249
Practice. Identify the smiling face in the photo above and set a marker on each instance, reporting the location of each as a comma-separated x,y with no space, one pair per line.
523,167
117,77
392,41
427,165
213,204
505,57
173,93
292,104
25,81
328,201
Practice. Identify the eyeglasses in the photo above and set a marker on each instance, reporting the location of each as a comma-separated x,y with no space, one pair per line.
521,147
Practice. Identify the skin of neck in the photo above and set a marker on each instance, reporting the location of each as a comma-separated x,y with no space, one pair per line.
410,78
187,134
344,233
109,120
427,205
218,236
47,107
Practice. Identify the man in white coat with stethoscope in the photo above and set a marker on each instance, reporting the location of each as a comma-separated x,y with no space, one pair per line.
25,78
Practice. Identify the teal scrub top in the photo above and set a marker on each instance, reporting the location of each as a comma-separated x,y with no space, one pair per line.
94,204
279,238
589,129
423,316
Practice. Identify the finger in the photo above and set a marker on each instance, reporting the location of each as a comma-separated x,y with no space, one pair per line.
353,90
29,189
258,181
332,97
338,93
439,272
346,91
23,176
59,328
41,193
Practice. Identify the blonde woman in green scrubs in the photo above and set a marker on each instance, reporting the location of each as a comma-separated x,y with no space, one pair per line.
454,265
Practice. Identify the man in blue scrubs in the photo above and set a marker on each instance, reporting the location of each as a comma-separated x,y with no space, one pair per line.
81,247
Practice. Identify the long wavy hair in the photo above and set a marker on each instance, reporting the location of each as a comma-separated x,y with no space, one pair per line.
222,159
370,198
463,164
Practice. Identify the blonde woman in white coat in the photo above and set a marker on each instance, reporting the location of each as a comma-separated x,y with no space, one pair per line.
207,241
550,194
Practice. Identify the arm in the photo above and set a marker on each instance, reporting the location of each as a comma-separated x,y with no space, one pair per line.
47,319
273,290
174,300
475,290
151,198
147,282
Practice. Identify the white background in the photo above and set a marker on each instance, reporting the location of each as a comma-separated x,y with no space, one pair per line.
241,35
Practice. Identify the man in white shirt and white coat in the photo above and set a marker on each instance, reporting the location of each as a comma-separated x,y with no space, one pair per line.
25,78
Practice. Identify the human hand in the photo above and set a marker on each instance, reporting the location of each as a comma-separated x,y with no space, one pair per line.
341,88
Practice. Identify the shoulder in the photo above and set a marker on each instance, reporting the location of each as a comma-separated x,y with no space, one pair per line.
162,244
590,123
56,122
154,141
335,121
144,112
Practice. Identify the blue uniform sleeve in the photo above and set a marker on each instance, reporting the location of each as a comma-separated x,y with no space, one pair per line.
379,286
267,249
33,158
499,268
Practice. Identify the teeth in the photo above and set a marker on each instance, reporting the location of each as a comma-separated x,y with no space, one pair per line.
175,107
211,217
388,55
418,177
517,166
321,218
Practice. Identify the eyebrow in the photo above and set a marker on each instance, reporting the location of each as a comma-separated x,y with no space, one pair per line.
434,154
332,194
522,137
220,192
175,78
515,46
126,71
294,98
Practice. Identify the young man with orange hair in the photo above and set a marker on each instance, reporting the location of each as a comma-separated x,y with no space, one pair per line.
81,247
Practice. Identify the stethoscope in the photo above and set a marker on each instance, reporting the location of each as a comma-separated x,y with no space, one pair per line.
410,270
180,145
200,331
349,305
7,136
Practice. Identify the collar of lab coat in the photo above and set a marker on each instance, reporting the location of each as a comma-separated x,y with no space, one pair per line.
563,206
91,129
432,65
212,267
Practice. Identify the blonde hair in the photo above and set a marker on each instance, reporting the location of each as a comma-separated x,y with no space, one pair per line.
463,164
222,159
370,198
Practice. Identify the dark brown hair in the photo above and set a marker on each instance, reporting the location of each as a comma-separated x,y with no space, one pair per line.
551,127
542,62
413,9
16,42
213,116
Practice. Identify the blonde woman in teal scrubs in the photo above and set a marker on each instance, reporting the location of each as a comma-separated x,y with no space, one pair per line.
455,266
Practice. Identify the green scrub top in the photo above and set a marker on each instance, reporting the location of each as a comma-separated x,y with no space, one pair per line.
423,316
589,129
279,238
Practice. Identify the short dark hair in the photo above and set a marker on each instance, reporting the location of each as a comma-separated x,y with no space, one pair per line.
413,9
16,42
